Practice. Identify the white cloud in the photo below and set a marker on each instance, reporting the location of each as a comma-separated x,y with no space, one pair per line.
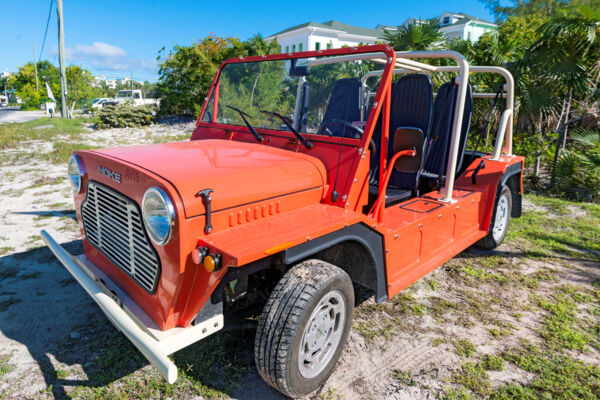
106,57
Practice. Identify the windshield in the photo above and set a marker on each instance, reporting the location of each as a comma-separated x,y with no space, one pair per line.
326,95
124,93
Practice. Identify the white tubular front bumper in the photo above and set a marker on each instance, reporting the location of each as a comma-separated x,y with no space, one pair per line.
153,343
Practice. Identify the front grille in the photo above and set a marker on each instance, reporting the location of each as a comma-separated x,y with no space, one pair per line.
113,224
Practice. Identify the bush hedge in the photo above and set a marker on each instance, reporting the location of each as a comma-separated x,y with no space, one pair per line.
126,116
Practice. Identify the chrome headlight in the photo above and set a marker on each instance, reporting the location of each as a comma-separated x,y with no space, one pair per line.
159,214
75,172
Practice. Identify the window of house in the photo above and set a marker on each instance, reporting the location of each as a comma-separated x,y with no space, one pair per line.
317,46
299,46
446,20
287,49
293,48
469,35
329,45
282,49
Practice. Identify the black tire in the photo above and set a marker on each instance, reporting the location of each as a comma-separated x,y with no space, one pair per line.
288,312
496,233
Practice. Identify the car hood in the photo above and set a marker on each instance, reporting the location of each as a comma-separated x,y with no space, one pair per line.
237,172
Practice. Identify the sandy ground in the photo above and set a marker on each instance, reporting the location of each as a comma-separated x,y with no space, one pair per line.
42,303
42,308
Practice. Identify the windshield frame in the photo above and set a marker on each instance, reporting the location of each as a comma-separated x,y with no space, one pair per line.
388,53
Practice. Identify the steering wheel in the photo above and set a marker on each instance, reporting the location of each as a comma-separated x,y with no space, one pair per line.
325,129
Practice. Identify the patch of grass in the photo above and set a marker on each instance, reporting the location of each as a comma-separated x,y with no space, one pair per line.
5,249
557,376
433,285
61,151
62,374
405,377
5,367
490,362
13,134
456,394
331,394
473,377
365,329
542,235
499,332
560,330
464,348
172,138
440,306
435,342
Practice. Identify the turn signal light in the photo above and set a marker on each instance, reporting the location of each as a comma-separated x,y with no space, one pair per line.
212,262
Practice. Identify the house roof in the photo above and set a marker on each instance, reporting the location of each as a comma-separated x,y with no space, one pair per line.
467,18
338,26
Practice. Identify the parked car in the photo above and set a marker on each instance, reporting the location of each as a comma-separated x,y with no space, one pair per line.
100,102
134,97
295,187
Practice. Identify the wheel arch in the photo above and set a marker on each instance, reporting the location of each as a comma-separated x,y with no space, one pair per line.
357,249
513,179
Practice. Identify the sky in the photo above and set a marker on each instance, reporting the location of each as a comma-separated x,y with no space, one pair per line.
117,38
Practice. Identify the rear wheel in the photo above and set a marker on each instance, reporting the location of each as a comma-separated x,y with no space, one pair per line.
500,221
303,328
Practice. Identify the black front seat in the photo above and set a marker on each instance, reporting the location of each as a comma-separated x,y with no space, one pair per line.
343,105
411,108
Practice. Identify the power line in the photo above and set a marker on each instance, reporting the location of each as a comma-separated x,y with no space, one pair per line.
46,31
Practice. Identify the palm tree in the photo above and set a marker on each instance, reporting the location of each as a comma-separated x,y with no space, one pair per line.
578,172
417,35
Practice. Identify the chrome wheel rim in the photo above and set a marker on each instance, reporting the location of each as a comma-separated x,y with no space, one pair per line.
501,220
322,334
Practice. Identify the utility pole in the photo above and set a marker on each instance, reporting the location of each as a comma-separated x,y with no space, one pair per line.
37,88
61,58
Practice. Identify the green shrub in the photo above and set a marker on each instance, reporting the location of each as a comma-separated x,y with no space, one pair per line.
126,116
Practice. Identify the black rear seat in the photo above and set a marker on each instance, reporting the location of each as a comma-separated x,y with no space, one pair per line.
437,155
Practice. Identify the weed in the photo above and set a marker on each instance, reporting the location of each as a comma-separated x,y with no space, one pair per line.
558,376
464,348
5,249
435,342
491,362
474,377
5,367
62,151
331,394
560,329
62,374
404,376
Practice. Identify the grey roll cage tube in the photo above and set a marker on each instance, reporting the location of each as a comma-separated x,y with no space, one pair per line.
405,64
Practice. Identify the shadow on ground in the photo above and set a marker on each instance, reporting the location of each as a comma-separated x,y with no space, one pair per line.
44,309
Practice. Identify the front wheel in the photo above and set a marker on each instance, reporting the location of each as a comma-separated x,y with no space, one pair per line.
500,221
303,328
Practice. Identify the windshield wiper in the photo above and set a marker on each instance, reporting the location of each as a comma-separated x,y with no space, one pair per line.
244,115
285,120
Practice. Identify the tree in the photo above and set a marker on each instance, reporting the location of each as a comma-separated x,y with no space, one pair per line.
417,35
186,72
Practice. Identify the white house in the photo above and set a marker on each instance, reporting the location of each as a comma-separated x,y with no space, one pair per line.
454,26
326,35
335,34
463,26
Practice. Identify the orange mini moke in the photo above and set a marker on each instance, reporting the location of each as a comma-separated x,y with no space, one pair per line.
308,174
